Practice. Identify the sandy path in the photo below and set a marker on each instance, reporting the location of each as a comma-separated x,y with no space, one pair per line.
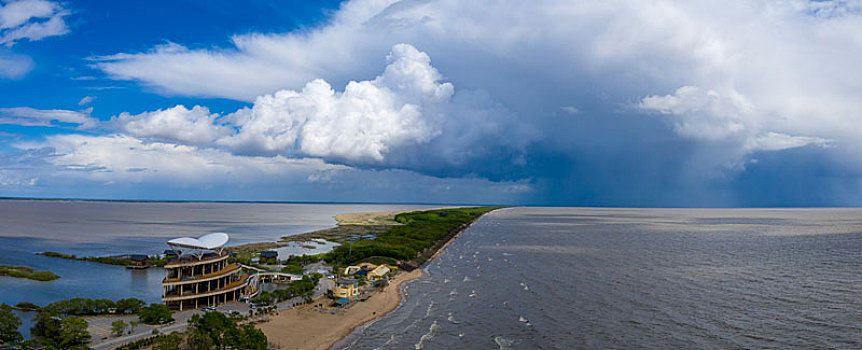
306,328
376,218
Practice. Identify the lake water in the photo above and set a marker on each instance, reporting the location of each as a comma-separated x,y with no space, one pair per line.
564,278
86,228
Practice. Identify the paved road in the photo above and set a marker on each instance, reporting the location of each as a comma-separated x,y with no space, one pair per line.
115,342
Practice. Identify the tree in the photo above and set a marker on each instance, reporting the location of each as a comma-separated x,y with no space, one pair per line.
46,324
73,333
9,324
246,337
213,324
263,298
198,340
215,330
155,314
130,305
101,306
118,327
168,342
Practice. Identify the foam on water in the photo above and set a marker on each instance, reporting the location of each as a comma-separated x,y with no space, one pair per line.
622,278
503,343
427,336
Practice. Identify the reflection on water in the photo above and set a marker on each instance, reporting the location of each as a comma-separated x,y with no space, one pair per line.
551,278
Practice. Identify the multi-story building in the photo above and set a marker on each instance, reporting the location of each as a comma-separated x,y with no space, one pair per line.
201,274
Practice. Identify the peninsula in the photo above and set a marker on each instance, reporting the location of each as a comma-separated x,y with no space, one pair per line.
403,239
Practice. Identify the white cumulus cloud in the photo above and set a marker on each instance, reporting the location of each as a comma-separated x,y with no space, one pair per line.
719,81
364,122
196,125
406,118
713,116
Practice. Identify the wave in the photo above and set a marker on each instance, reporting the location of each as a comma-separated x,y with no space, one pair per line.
427,336
503,343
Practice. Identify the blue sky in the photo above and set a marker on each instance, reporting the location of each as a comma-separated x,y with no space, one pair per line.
620,103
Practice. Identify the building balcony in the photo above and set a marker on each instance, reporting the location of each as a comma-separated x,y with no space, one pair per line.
230,269
191,260
230,287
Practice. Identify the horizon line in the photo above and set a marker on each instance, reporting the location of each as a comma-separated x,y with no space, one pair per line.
622,206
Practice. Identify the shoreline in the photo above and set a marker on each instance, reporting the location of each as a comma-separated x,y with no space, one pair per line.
307,327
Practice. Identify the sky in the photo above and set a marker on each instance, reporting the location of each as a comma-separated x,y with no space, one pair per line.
734,103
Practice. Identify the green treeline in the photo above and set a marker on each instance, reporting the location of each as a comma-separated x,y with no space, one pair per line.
152,260
58,332
420,230
84,306
27,272
211,331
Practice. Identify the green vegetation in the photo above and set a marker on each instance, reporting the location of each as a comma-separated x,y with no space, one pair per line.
303,288
84,306
216,331
153,260
155,314
58,332
27,272
244,257
9,324
118,327
379,260
303,260
129,305
26,306
171,341
420,231
98,259
295,269
158,261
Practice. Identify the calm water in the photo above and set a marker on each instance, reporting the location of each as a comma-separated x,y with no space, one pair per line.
109,228
562,278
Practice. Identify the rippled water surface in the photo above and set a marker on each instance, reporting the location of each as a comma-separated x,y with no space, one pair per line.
561,278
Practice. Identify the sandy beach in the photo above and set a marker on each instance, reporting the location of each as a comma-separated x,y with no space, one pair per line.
376,218
305,327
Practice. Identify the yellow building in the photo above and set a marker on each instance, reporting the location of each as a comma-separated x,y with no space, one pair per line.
379,273
346,288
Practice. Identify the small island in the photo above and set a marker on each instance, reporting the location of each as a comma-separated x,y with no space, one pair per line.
27,272
128,260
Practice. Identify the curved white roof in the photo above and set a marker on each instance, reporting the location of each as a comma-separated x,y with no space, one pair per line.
209,241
